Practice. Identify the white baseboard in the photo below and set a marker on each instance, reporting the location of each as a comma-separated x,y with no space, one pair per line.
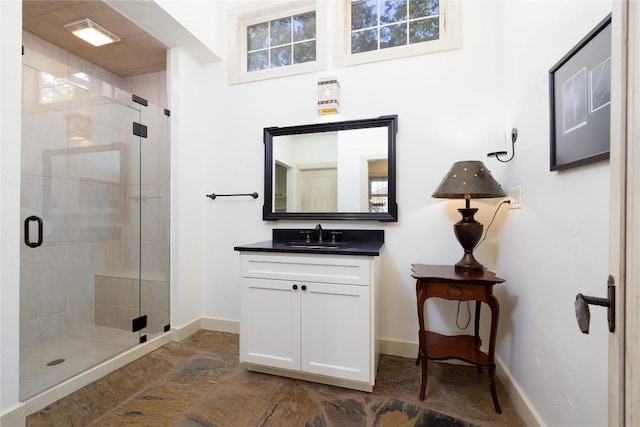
399,348
520,401
206,323
15,418
221,325
184,332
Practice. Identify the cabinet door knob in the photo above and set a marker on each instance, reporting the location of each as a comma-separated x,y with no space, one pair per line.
303,287
295,287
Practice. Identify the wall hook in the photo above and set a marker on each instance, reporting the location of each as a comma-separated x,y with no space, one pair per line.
497,154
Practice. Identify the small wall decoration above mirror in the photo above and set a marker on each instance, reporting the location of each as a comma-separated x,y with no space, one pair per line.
339,170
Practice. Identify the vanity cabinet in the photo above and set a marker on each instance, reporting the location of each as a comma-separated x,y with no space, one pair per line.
312,317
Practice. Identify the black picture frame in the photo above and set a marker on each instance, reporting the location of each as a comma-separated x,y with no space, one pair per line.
580,101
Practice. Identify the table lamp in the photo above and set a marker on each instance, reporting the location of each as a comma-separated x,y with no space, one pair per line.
469,179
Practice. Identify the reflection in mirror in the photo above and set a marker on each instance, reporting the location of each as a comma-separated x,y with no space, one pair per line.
341,170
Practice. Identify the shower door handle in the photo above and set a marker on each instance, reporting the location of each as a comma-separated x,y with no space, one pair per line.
27,239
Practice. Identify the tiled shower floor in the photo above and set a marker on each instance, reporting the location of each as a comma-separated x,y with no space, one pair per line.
81,350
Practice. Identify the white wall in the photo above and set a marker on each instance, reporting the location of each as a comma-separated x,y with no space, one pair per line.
199,17
10,84
191,130
556,245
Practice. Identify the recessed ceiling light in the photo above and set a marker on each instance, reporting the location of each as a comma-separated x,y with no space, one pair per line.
91,32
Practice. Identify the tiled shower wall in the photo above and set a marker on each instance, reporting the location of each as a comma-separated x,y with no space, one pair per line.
88,202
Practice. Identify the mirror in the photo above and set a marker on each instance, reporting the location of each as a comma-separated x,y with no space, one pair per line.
340,170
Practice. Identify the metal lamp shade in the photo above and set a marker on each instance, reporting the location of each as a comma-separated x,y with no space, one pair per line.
467,180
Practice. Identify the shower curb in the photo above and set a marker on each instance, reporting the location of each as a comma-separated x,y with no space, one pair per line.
50,396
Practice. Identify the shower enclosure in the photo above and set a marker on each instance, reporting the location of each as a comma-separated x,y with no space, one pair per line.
94,259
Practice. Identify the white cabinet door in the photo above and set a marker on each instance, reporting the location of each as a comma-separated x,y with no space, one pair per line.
270,323
335,332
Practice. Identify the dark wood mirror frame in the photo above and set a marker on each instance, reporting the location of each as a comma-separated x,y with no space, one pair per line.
390,122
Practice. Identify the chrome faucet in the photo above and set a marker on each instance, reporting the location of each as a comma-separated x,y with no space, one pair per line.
319,230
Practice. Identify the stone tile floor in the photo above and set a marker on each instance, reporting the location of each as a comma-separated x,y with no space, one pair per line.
199,382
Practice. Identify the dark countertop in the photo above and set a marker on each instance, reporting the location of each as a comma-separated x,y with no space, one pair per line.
334,242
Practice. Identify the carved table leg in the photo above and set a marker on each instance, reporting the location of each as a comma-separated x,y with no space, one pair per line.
425,366
477,328
422,338
495,314
492,385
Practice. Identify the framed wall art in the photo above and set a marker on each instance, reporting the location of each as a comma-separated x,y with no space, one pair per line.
580,101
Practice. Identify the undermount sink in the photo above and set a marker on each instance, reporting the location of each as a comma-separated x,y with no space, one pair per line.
315,245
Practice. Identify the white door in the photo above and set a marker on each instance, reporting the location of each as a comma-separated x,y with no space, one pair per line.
270,323
624,344
318,190
336,331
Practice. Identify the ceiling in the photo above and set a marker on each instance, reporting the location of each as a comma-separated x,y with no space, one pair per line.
138,53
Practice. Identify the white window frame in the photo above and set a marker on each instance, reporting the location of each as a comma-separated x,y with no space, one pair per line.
450,38
257,12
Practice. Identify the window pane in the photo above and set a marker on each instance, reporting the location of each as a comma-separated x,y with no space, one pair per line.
258,61
63,92
304,27
393,35
47,96
378,195
280,31
423,8
379,188
47,79
424,30
393,11
281,42
364,41
281,56
304,52
257,36
364,14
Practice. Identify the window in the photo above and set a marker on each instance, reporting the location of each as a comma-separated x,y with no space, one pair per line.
269,39
377,30
281,42
382,24
378,195
273,39
53,89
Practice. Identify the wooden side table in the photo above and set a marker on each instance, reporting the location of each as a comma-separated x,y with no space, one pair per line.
442,281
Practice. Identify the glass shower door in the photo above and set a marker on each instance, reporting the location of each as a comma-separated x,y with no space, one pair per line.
150,200
81,198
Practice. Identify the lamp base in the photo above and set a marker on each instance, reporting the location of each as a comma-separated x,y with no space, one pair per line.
468,231
468,265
